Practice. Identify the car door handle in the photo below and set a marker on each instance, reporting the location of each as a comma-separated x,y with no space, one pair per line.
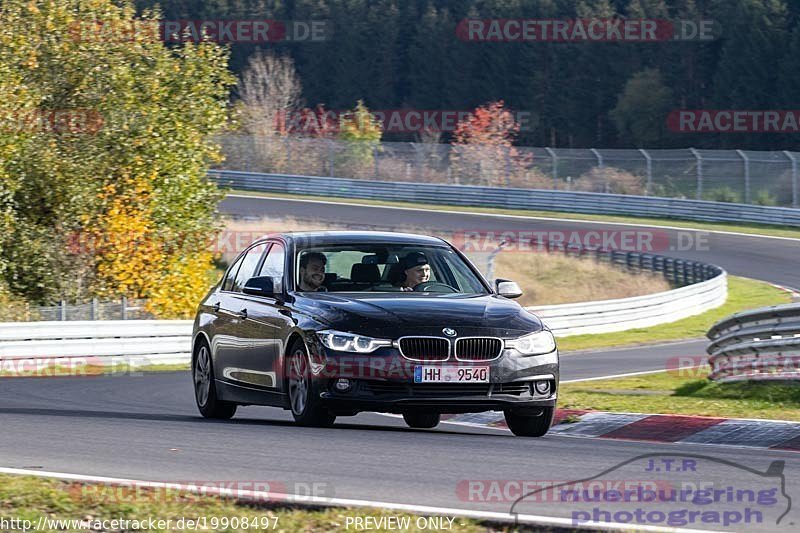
242,313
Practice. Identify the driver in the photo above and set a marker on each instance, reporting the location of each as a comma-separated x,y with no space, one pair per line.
416,269
312,271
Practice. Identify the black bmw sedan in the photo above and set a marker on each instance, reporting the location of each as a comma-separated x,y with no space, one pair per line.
329,324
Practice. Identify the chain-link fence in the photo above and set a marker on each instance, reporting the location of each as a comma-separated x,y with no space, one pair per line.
123,309
739,176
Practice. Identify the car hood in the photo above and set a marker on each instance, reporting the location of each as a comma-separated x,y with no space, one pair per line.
410,314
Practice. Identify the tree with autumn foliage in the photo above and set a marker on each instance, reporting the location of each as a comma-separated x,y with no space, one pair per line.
94,209
361,133
483,147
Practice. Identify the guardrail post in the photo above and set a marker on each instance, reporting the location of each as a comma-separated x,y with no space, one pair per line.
93,310
649,161
699,159
746,175
602,170
554,159
124,312
62,311
794,177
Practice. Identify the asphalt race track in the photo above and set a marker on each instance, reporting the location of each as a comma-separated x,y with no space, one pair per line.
147,427
768,259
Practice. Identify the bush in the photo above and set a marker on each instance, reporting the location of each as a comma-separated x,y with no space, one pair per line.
13,308
722,194
764,197
610,180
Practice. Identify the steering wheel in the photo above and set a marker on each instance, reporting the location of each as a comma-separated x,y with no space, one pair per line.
434,286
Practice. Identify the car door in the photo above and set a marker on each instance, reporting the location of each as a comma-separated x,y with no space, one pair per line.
267,323
231,336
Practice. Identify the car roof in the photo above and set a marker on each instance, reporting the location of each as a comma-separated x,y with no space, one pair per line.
361,237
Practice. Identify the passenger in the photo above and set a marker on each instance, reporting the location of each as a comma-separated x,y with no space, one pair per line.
416,270
312,272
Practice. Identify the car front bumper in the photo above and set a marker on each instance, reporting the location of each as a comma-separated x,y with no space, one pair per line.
384,382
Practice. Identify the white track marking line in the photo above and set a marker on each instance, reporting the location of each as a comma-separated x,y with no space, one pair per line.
612,376
261,496
521,217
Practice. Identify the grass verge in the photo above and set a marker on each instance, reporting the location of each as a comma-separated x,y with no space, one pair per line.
30,498
743,293
555,278
754,229
50,368
685,392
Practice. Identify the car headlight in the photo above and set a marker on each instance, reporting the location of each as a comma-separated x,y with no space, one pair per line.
536,343
350,342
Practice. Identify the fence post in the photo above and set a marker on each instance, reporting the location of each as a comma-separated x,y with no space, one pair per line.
746,175
124,308
554,157
330,159
699,159
600,166
288,155
794,176
375,160
649,171
508,166
93,310
418,160
62,311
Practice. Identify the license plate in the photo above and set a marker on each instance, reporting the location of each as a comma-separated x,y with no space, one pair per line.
451,374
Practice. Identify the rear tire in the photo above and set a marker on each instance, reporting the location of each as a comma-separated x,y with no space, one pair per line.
304,402
522,424
205,389
422,420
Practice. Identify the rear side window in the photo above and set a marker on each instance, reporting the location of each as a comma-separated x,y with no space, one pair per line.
273,266
248,268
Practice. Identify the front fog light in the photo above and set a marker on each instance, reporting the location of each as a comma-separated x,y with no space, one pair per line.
342,385
542,387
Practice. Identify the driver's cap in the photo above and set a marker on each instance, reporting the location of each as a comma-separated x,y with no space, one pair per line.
414,259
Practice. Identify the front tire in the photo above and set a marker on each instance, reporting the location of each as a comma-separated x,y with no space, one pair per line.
422,420
304,401
205,390
524,424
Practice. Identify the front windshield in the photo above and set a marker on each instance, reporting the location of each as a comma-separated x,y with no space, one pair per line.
384,268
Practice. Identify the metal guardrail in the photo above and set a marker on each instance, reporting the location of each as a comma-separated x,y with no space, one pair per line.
740,176
169,341
704,287
95,342
759,344
507,197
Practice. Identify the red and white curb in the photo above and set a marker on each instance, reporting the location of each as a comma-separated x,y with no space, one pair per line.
681,429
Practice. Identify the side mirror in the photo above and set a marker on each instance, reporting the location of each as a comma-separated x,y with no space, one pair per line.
507,288
260,286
